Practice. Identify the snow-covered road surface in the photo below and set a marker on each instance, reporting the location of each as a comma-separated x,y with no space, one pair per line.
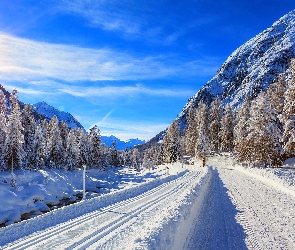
222,206
125,224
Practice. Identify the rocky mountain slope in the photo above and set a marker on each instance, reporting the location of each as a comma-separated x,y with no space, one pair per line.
251,67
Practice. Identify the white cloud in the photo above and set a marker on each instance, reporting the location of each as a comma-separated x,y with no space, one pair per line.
25,59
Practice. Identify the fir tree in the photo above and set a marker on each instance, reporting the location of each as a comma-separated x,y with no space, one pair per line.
191,131
29,125
14,153
288,116
84,149
215,124
55,147
114,155
202,145
72,151
95,145
226,131
241,130
171,143
3,126
264,135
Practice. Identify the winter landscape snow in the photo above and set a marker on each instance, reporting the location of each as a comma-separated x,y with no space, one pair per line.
222,206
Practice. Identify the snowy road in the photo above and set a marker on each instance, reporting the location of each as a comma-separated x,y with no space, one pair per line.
219,207
122,225
267,213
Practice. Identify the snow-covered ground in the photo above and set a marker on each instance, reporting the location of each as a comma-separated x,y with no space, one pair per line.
221,206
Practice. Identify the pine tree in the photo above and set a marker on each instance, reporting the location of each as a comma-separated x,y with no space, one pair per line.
83,148
39,147
14,153
202,145
72,151
55,147
64,131
95,145
3,126
241,130
264,135
29,125
114,155
288,116
191,131
215,124
171,143
226,131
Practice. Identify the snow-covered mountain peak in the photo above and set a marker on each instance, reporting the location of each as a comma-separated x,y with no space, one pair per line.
251,67
49,111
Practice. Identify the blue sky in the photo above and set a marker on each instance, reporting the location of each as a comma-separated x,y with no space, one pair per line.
127,66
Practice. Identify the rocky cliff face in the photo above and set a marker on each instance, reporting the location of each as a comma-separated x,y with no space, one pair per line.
250,68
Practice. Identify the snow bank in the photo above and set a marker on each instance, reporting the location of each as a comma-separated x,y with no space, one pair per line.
24,228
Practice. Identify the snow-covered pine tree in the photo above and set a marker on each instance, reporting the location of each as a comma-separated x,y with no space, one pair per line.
226,131
215,124
83,148
114,155
29,125
72,151
202,147
276,93
127,157
191,131
64,131
241,130
14,153
95,145
135,159
39,147
264,135
288,116
171,143
3,125
55,148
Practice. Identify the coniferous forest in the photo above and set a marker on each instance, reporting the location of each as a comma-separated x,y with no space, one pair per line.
261,130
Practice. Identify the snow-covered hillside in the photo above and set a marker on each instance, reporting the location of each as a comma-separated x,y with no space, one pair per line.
251,67
48,112
221,206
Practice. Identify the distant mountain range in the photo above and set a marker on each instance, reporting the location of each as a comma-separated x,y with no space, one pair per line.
121,145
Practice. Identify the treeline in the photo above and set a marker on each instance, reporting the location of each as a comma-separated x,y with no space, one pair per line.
260,131
29,144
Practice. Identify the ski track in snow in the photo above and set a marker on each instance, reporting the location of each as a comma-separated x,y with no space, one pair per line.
107,227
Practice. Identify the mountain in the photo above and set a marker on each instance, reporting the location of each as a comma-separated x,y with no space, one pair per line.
121,145
48,112
250,68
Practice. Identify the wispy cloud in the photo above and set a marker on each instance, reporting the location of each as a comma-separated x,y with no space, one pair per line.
25,59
